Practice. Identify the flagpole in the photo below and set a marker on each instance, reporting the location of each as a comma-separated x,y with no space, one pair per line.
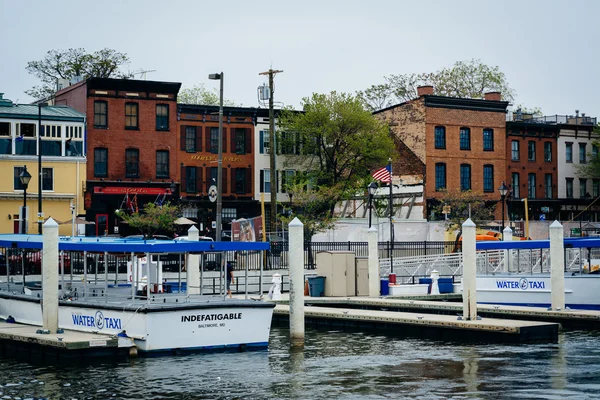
391,247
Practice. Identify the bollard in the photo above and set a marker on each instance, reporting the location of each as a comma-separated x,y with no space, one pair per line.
469,271
508,237
374,273
192,271
275,291
557,266
50,276
296,252
435,276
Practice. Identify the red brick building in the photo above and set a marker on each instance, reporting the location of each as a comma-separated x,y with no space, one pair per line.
197,146
452,142
132,141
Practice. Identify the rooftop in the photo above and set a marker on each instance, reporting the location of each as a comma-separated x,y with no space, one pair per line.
8,109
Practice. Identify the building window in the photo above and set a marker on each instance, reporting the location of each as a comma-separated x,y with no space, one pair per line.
582,188
596,188
190,139
569,152
131,116
514,145
100,162
48,179
582,147
465,177
264,142
17,182
548,188
162,117
190,180
100,114
229,214
162,163
287,178
569,188
488,140
214,140
594,151
440,137
4,129
515,188
531,151
531,186
548,151
240,180
488,178
132,160
465,139
440,176
265,186
240,141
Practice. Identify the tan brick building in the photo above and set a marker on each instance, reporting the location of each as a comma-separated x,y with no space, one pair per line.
452,142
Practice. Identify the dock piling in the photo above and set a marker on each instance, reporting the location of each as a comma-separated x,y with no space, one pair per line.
508,237
50,276
374,284
296,251
192,271
557,266
469,271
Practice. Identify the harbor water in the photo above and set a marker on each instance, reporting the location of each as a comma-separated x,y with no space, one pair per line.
333,365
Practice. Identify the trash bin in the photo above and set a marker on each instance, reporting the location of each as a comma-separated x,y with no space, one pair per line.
316,286
385,287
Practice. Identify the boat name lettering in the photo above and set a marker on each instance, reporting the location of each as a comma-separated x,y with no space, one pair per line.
98,321
522,284
210,317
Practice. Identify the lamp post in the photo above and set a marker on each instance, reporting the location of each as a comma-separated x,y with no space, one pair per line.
39,150
503,189
219,77
24,177
372,189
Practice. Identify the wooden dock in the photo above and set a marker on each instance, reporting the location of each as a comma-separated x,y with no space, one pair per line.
23,341
435,326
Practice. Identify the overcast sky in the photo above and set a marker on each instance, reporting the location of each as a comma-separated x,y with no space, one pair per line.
547,49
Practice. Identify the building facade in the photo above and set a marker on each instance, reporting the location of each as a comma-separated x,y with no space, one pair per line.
58,133
452,142
132,140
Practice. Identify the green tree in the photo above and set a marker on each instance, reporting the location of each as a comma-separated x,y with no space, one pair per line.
591,169
198,94
152,219
66,64
337,143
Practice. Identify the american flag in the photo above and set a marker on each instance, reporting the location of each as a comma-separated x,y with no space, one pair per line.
384,174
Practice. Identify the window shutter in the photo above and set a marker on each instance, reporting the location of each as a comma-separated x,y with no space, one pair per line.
224,140
248,180
183,186
199,179
248,137
262,180
232,140
208,181
199,138
283,182
261,146
182,139
207,139
233,170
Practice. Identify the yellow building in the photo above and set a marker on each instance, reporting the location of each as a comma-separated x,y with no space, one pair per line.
63,167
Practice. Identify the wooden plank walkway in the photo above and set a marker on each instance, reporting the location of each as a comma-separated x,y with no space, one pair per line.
427,325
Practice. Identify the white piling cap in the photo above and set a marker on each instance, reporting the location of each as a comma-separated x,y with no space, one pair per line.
556,225
193,229
372,229
296,222
50,223
507,230
468,223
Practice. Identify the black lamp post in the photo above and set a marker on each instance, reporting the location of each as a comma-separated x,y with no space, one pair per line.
24,177
503,189
372,189
219,182
39,146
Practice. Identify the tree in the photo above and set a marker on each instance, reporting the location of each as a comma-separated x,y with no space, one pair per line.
336,142
66,64
202,96
591,169
152,219
467,79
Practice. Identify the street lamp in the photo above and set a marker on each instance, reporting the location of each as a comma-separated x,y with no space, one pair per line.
503,189
39,150
219,77
372,189
24,177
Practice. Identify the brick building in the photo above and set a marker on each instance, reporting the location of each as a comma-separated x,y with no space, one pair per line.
198,128
452,142
132,139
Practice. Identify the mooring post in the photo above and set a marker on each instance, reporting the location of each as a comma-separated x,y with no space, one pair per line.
374,274
296,251
192,271
508,237
50,276
557,266
469,271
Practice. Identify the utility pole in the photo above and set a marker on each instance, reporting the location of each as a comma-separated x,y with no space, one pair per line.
272,148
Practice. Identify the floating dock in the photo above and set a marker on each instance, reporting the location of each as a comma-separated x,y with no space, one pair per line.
24,341
434,326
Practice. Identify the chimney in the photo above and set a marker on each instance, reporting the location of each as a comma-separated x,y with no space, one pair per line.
494,96
424,90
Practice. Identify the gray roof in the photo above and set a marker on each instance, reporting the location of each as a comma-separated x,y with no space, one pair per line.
49,113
